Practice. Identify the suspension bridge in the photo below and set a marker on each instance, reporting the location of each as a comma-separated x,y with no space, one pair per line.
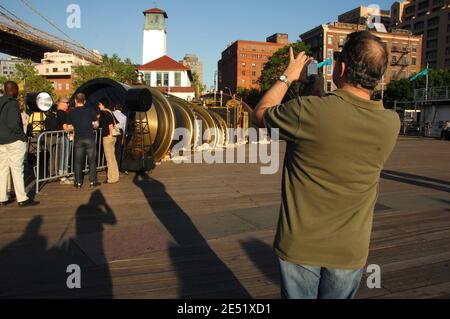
19,38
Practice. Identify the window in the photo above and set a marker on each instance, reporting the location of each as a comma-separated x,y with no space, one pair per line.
59,86
431,55
330,67
253,73
166,79
433,33
244,65
419,26
414,61
148,79
66,70
177,78
433,21
329,86
394,74
244,73
341,41
67,86
394,59
55,70
414,48
159,79
330,40
253,65
404,61
405,47
253,81
47,70
431,44
404,74
394,46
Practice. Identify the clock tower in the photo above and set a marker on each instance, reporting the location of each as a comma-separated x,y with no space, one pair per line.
155,35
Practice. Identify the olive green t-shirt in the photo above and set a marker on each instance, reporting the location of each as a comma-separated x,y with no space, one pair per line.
337,146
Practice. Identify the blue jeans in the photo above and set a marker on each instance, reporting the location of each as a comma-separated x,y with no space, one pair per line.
83,147
64,151
305,282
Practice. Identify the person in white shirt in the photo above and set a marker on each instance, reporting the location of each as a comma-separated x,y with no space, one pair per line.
122,119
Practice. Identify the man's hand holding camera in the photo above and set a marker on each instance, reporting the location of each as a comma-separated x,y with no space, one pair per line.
296,71
297,66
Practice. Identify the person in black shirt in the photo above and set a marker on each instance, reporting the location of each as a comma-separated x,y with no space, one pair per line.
84,121
107,122
13,147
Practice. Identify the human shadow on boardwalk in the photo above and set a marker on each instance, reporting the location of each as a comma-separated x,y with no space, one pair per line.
31,269
263,258
201,273
416,180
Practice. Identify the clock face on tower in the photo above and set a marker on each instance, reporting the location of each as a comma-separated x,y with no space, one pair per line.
155,21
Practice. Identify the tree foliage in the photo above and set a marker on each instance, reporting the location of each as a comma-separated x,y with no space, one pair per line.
111,67
251,97
278,63
29,80
197,85
403,90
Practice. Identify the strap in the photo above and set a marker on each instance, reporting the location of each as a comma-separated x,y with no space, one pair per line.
114,118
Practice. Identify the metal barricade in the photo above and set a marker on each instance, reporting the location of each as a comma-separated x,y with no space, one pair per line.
55,157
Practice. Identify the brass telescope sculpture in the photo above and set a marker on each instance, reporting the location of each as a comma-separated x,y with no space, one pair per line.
153,125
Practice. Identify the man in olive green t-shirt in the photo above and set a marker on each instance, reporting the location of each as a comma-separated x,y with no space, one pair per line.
337,147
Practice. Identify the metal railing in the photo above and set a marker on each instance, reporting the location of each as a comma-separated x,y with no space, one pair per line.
55,157
434,94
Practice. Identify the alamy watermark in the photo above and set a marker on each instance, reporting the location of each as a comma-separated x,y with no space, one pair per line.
374,277
74,279
263,148
74,19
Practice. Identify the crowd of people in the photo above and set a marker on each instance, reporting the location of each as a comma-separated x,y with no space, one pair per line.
81,123
78,126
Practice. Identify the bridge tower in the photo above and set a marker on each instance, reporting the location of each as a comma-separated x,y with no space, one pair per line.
155,35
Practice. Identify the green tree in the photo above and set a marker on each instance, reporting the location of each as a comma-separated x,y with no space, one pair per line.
278,63
403,90
3,79
197,85
27,75
111,67
251,97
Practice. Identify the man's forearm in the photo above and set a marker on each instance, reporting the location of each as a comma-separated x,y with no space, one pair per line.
272,98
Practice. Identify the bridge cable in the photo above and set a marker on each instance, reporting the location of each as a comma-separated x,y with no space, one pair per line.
26,3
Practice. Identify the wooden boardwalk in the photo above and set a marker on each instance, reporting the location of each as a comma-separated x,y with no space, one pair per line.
205,231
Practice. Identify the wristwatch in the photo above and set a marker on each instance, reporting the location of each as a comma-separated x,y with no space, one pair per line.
285,80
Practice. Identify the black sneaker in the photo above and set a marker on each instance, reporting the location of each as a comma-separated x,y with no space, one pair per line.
94,184
28,203
78,186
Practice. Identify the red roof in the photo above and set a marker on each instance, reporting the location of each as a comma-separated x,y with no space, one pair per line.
164,63
156,10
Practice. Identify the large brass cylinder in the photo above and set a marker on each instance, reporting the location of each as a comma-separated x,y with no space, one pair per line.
167,113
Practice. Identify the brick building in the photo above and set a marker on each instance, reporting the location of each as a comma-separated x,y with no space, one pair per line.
430,18
243,61
405,49
192,62
58,69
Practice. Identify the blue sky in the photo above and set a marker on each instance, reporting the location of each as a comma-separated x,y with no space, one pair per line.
203,27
